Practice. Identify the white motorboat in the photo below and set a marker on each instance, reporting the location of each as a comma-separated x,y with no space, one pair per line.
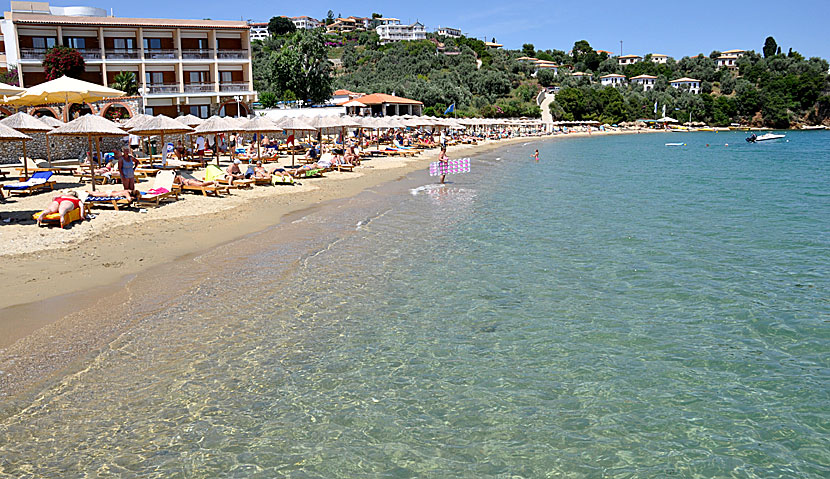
813,127
764,137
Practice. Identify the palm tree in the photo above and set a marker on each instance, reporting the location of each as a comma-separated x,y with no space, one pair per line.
125,81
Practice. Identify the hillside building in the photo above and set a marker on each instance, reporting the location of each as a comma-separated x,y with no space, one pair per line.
686,83
646,80
612,79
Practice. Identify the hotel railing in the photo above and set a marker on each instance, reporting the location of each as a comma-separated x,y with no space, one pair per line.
161,54
197,54
238,86
198,87
232,54
162,88
90,54
127,53
32,53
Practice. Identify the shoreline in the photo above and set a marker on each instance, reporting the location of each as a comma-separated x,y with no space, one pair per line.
48,286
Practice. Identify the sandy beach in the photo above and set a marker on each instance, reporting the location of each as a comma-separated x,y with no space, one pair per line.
51,273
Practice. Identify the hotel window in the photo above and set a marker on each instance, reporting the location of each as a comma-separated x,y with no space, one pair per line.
42,43
152,43
201,44
198,77
226,77
78,43
199,110
123,43
154,78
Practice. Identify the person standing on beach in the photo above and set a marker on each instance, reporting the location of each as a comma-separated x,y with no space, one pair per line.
126,168
443,141
445,162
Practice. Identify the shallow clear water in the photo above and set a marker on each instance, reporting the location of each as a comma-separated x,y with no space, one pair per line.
619,309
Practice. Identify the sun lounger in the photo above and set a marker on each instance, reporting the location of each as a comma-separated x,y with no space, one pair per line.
315,173
90,200
162,190
215,174
41,180
55,218
211,190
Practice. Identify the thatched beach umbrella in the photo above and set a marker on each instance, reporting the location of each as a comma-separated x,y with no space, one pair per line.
90,126
215,125
136,120
190,120
294,125
64,90
260,125
25,123
50,120
8,134
160,125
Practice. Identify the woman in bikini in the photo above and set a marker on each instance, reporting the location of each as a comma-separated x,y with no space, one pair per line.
62,204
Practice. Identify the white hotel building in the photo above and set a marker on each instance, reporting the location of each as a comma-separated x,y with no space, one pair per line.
391,30
202,67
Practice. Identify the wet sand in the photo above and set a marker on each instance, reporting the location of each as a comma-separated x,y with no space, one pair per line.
46,289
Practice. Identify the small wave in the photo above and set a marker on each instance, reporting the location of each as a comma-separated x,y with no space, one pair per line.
425,189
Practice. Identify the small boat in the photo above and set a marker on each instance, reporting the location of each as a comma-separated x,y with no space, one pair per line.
675,144
814,127
765,137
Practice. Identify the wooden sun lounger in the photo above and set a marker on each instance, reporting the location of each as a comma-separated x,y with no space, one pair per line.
212,190
114,202
32,188
162,180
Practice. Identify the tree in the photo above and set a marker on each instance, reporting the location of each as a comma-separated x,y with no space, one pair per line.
10,76
329,18
529,50
125,81
60,60
268,99
302,67
770,47
377,15
281,26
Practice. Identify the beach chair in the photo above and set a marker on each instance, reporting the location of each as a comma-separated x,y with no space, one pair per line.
162,190
55,218
211,190
40,166
41,180
341,165
90,200
215,174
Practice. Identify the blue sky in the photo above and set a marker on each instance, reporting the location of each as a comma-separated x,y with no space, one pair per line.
675,28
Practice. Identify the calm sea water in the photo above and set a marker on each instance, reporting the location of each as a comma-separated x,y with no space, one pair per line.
619,309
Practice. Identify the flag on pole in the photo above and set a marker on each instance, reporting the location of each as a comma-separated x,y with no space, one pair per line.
655,107
450,109
290,139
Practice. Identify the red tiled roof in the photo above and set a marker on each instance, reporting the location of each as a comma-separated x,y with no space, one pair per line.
35,18
343,92
380,98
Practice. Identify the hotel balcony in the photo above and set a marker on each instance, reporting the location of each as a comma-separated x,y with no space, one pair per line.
199,87
236,86
32,53
232,54
155,89
123,54
197,54
161,54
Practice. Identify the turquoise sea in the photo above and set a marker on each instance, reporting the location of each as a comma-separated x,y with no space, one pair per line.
621,309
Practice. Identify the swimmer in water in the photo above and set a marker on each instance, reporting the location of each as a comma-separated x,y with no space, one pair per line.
536,156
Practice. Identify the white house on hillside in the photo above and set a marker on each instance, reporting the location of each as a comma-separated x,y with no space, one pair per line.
306,23
391,30
259,31
687,83
448,32
581,75
727,61
659,58
739,53
628,59
613,79
646,80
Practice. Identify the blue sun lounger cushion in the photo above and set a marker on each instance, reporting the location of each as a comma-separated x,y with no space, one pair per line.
38,178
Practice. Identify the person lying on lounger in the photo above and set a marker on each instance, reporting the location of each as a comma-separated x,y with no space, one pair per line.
131,195
181,180
351,156
62,204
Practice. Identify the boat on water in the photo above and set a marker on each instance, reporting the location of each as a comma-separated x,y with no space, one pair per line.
675,144
765,137
814,127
